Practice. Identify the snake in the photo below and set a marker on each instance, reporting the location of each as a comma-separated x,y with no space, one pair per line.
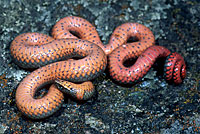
74,55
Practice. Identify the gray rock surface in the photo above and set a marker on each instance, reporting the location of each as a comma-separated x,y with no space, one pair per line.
150,106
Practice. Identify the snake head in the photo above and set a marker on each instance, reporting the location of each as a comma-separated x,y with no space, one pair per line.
81,91
64,86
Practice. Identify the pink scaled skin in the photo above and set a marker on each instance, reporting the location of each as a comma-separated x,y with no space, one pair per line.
33,50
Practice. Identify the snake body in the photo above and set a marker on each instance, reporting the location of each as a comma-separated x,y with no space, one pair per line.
51,56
